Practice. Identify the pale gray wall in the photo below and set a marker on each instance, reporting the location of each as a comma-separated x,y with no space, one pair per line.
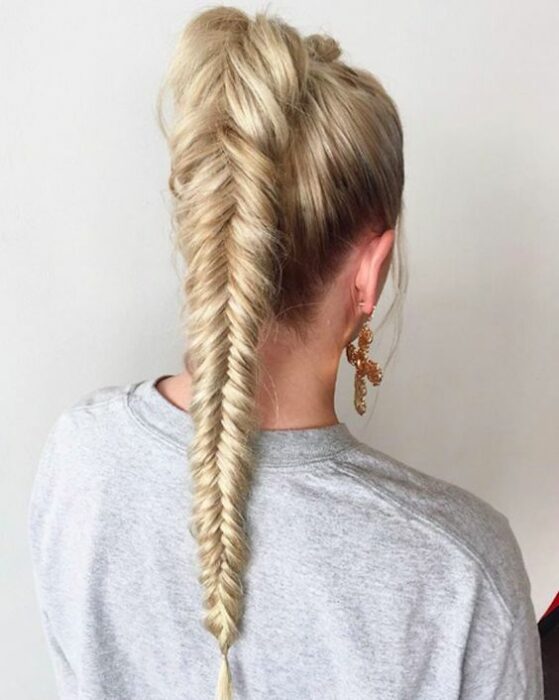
88,295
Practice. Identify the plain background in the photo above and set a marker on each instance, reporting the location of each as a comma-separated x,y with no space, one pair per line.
89,294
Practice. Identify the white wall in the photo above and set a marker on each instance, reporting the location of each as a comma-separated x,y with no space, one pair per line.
88,295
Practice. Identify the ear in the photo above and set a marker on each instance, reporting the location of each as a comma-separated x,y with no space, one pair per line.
372,270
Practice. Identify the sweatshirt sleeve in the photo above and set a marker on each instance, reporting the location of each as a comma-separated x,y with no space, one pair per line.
525,655
502,659
505,667
40,516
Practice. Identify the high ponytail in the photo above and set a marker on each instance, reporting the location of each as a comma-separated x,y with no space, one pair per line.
259,211
232,131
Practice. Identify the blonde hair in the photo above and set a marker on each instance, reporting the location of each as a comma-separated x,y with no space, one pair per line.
279,153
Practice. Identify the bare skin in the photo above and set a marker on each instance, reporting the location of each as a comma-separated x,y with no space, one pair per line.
299,379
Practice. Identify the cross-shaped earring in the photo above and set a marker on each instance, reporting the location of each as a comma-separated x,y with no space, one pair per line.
364,367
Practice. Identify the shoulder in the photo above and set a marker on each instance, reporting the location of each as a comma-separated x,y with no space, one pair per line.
70,464
97,399
79,430
448,512
89,409
79,441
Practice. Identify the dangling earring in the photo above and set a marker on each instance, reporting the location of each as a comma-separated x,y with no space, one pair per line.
364,367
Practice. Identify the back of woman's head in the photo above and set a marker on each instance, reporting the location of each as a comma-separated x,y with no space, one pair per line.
280,154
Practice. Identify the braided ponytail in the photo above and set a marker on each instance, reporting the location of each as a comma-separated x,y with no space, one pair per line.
232,131
279,153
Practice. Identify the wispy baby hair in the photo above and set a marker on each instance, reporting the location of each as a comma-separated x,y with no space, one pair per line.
279,153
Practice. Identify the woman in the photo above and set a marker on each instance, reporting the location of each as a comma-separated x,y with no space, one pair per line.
326,568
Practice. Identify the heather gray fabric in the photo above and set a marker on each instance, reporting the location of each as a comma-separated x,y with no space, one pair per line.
369,580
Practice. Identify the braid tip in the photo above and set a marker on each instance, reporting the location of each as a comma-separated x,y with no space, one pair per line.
224,686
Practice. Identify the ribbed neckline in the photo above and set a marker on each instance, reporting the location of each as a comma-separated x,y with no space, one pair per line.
289,447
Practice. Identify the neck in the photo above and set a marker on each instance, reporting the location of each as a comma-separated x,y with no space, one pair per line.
296,389
298,384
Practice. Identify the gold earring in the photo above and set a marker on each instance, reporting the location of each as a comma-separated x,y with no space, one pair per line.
364,367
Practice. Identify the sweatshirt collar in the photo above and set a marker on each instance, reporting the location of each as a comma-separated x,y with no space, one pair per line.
287,447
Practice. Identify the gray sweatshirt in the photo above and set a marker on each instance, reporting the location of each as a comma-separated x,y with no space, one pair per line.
368,579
